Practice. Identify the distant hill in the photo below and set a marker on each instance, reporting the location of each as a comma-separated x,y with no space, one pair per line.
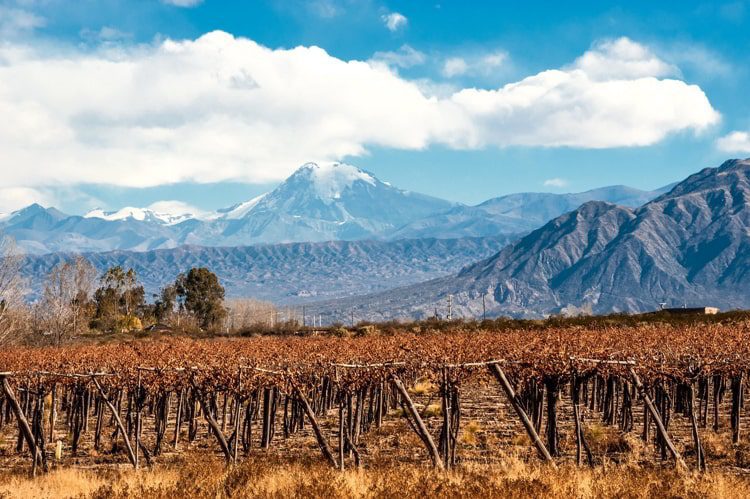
689,246
295,272
517,213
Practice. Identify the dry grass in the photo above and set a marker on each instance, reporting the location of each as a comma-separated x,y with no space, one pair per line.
470,433
423,386
258,477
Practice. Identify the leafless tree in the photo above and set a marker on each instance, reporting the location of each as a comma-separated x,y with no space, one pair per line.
244,313
12,289
66,298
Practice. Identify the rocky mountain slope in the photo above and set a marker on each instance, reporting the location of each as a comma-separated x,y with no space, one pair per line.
293,273
690,246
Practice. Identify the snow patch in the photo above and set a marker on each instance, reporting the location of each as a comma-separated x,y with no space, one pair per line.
332,179
139,214
242,209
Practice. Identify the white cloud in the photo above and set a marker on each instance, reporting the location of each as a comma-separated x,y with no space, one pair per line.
482,64
176,208
734,142
623,58
405,57
556,182
454,66
14,198
700,60
224,108
183,3
14,21
106,35
394,21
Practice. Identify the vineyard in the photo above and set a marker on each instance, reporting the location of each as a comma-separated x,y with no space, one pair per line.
134,403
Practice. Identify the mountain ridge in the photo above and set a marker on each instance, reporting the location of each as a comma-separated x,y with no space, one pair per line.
293,272
319,202
690,245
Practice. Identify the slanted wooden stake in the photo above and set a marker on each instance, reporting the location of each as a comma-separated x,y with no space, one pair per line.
657,420
23,423
516,403
216,429
131,453
322,442
420,427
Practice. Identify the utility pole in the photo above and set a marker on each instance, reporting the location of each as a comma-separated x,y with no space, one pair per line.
450,307
303,316
352,318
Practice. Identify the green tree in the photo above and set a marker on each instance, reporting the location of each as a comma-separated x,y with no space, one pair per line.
164,303
202,295
118,300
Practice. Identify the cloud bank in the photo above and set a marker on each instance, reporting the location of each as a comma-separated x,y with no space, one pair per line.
226,108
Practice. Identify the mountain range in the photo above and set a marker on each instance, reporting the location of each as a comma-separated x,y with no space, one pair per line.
689,246
319,202
294,272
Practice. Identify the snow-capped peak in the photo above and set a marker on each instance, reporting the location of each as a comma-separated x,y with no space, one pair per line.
240,210
141,215
331,179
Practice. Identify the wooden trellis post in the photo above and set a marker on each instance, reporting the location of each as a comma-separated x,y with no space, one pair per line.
322,442
419,424
131,454
513,398
657,419
23,423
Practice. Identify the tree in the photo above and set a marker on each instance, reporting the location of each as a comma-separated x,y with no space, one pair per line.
65,305
247,313
11,290
118,299
203,296
164,304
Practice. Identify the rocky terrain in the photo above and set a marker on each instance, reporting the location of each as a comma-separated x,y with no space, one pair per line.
690,246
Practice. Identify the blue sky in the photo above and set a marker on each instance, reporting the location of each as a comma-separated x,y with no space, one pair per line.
113,103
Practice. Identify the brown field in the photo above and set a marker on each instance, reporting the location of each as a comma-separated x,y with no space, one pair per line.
199,476
253,390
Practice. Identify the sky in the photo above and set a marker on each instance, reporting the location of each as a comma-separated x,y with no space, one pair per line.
197,105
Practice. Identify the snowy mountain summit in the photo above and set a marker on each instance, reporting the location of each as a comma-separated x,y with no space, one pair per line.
326,201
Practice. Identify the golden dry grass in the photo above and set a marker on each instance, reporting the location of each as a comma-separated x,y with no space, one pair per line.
512,477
